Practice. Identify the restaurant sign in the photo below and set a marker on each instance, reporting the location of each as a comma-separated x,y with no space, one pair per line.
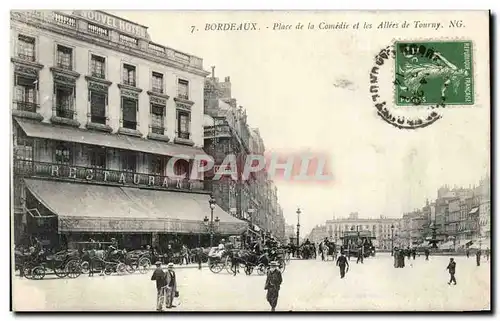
114,22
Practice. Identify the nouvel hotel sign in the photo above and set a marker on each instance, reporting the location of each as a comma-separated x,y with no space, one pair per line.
114,22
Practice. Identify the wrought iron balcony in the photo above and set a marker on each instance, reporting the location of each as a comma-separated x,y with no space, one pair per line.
65,113
29,168
98,74
158,130
98,119
26,106
184,135
129,124
26,57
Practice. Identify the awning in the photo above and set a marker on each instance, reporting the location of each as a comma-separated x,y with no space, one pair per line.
474,210
82,136
97,208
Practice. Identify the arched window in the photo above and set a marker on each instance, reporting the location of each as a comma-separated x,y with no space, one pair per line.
181,167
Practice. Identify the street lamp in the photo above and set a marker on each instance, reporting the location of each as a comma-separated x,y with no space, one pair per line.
211,224
392,239
298,225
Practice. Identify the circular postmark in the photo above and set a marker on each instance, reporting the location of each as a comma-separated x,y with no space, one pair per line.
424,77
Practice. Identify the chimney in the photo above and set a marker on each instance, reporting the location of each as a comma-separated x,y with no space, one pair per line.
213,71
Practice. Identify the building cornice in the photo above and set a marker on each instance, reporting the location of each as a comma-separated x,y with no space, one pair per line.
85,36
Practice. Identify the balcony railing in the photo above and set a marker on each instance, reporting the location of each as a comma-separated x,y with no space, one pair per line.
98,74
26,106
129,82
26,57
129,124
157,89
66,65
29,168
184,135
183,96
98,119
158,130
65,113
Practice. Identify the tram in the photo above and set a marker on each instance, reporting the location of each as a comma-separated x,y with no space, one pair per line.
353,241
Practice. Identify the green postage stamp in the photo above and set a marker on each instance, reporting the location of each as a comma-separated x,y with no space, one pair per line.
434,73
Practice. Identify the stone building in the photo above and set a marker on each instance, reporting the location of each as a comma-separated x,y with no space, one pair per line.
228,133
105,124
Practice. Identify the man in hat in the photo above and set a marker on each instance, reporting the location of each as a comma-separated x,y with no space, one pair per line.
273,283
171,285
451,270
159,277
342,263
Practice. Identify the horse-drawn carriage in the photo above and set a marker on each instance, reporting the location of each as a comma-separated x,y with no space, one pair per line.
34,265
99,257
307,251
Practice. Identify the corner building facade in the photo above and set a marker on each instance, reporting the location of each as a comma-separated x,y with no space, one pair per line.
99,111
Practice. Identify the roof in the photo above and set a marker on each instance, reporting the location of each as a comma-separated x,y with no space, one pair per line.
83,136
99,208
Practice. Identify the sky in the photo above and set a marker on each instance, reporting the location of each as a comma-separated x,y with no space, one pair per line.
309,89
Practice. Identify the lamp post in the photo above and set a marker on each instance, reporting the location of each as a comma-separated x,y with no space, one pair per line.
392,239
298,225
211,224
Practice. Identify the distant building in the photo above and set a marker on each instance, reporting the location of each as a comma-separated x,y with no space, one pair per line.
380,228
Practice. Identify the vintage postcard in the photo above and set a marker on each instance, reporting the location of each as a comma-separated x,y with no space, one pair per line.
214,161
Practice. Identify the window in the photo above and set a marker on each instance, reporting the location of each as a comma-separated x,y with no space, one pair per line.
24,145
97,107
64,57
97,157
97,66
181,167
129,161
26,48
157,83
158,165
25,93
63,153
129,75
157,119
183,124
64,101
129,107
183,89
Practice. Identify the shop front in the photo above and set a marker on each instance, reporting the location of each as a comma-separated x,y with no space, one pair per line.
134,216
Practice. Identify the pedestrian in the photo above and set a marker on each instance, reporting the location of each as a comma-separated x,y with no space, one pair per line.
184,255
478,257
273,283
467,252
342,263
414,253
401,262
427,252
451,269
487,253
395,254
159,277
171,286
359,256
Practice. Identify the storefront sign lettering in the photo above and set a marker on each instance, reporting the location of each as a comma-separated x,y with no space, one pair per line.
124,178
115,23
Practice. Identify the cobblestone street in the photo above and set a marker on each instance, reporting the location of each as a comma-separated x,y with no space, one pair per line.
307,285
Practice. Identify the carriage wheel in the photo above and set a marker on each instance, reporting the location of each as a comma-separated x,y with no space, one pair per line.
130,268
108,269
85,266
38,273
61,271
144,265
73,269
27,270
261,269
121,268
216,267
227,264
